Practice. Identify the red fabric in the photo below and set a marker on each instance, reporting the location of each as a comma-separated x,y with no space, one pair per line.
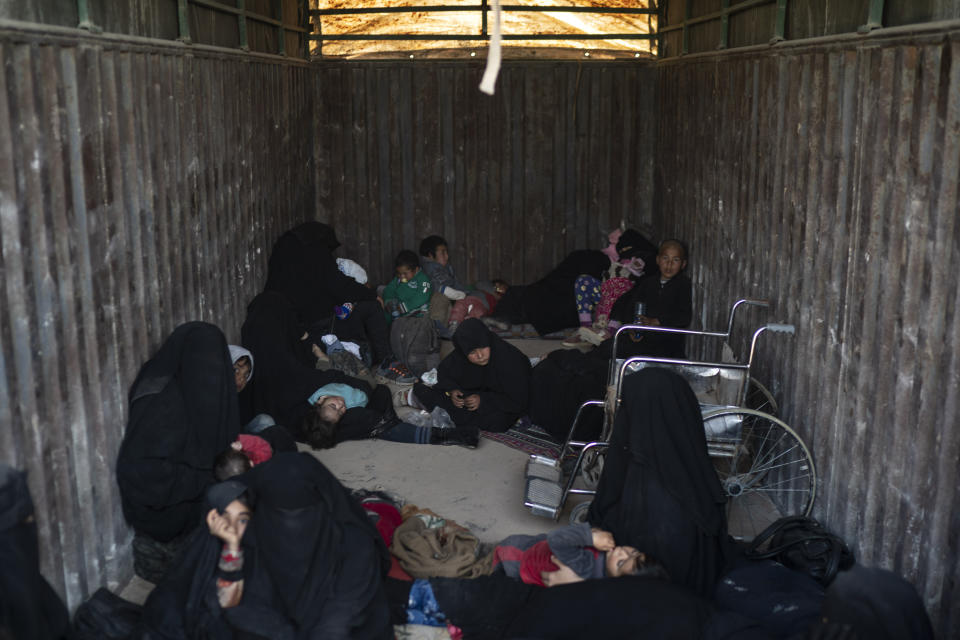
255,448
469,307
387,521
610,291
503,553
397,572
534,560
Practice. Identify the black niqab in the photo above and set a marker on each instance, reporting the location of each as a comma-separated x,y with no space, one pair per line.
303,268
320,549
183,412
659,491
29,607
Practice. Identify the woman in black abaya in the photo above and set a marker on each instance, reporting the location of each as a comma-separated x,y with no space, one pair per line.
29,607
183,412
483,383
659,491
313,565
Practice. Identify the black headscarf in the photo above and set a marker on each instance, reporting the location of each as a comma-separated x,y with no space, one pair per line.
659,491
320,550
286,375
504,382
183,412
303,268
29,607
632,244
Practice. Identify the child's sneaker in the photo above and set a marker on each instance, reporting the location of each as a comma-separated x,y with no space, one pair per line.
405,398
574,340
396,373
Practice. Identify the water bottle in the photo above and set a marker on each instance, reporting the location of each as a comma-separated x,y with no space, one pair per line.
641,310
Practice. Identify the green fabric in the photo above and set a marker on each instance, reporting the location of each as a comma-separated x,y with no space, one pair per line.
412,298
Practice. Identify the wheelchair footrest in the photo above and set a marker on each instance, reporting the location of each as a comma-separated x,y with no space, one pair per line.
544,492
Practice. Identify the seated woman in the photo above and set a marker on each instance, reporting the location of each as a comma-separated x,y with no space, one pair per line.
483,384
303,561
29,607
659,491
183,412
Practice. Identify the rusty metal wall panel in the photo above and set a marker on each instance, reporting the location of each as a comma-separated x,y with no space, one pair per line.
826,178
558,156
138,189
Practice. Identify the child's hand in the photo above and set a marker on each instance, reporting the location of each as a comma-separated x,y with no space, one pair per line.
603,540
236,445
472,402
221,528
456,397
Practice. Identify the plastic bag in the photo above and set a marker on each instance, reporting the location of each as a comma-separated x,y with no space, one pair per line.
436,419
440,419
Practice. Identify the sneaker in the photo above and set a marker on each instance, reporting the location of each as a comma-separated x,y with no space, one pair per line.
396,373
575,340
468,437
405,398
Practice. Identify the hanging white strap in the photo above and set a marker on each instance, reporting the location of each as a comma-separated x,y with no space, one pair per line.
489,80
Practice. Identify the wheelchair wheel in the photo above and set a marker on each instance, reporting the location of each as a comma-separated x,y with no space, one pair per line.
759,398
579,512
591,468
764,467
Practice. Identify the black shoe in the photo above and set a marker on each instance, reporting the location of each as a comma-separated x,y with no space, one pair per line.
468,437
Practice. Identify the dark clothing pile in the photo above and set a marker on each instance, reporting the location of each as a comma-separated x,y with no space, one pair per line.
560,383
659,491
549,304
313,567
302,267
503,384
183,412
29,607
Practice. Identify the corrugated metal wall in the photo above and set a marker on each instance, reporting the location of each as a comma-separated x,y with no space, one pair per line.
556,158
826,177
140,187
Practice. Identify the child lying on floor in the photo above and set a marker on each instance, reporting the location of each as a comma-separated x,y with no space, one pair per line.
588,553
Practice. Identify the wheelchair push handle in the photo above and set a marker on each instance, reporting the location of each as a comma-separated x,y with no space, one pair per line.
781,328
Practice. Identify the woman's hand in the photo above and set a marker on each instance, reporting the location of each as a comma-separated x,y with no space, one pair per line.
456,397
221,528
472,402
